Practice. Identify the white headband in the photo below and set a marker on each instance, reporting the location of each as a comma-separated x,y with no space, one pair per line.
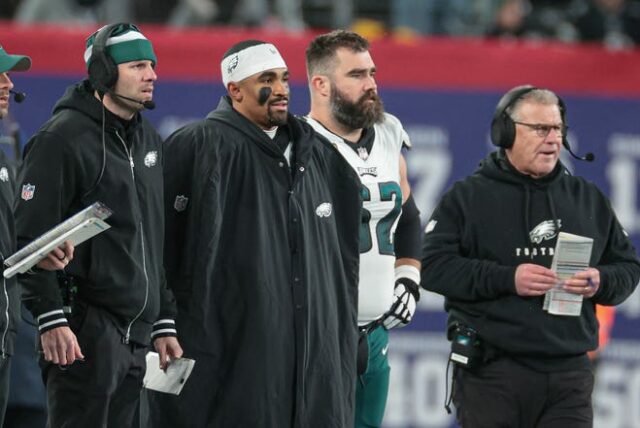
249,61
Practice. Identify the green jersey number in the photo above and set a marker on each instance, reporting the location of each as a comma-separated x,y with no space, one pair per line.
383,227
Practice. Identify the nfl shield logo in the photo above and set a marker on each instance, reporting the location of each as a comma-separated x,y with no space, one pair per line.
4,174
180,204
27,191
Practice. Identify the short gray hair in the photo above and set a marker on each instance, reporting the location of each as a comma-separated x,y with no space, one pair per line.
536,96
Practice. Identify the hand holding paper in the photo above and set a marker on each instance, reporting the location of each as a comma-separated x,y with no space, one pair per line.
586,282
58,258
170,381
168,349
570,262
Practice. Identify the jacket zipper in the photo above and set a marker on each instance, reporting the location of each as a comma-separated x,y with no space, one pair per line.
6,311
293,180
144,260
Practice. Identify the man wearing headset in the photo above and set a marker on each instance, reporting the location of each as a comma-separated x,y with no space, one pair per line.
98,147
488,249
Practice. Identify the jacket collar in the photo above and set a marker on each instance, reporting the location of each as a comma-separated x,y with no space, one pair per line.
80,97
301,133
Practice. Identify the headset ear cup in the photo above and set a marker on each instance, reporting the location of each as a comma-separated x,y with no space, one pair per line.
95,74
503,131
111,72
496,131
509,132
103,71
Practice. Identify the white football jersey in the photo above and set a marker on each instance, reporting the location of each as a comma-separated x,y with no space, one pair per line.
379,172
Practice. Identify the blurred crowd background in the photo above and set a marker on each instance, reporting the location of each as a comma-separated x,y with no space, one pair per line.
615,23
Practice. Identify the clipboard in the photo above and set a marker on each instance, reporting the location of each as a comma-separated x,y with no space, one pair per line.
76,229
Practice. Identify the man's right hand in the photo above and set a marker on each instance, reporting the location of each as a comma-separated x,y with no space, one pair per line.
534,280
60,346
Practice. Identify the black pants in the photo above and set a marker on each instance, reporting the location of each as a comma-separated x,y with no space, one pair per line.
103,390
504,393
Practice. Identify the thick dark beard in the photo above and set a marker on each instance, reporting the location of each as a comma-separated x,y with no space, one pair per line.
356,115
273,120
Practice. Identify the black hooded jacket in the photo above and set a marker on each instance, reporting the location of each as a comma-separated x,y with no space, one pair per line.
497,219
263,261
73,163
9,289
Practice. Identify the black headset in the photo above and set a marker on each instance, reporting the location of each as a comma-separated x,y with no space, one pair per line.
103,71
503,129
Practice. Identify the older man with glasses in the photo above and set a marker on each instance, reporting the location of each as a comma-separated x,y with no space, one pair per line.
488,248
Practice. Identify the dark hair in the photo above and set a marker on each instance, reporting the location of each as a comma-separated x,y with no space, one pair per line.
321,53
241,46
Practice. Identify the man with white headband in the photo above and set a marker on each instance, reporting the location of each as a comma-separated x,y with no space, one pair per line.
262,255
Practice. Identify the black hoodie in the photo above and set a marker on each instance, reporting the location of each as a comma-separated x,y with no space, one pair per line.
9,290
263,261
73,163
497,219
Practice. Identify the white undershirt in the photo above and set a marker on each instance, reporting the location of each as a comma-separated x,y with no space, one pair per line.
272,134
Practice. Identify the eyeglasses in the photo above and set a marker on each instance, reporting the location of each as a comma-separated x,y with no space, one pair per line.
544,130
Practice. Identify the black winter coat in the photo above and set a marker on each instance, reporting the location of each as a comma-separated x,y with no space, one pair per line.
264,265
9,289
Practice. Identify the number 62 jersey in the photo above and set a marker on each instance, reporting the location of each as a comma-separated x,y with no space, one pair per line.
379,172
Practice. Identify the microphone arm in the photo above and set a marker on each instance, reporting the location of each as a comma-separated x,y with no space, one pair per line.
589,157
149,105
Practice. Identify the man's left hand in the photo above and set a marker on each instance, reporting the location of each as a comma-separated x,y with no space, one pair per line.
405,296
586,283
58,258
168,348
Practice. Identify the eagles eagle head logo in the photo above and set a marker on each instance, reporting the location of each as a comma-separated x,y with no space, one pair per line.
545,231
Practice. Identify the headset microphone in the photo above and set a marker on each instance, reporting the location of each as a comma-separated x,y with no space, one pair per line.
149,105
589,157
18,96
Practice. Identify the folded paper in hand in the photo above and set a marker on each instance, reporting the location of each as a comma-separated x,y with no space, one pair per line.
571,255
76,229
170,381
